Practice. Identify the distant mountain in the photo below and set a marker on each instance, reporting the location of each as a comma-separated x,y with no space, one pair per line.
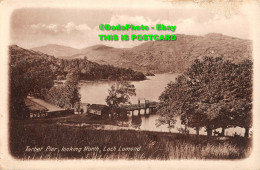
169,56
57,50
19,53
102,54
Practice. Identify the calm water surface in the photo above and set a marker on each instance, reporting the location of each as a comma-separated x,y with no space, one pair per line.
96,92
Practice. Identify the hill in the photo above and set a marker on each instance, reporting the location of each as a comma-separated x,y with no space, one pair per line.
169,56
57,50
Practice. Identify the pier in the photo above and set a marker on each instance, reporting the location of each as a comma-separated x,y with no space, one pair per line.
148,107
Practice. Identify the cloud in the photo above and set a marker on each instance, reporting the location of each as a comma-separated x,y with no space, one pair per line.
59,29
70,27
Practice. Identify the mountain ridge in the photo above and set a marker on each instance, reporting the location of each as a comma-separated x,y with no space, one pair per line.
168,56
56,50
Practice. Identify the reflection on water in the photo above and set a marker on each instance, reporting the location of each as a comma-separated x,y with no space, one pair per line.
96,92
136,122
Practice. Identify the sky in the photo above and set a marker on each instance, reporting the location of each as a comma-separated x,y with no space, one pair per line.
78,28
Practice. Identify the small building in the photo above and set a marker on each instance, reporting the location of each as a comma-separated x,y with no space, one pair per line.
39,108
99,110
35,110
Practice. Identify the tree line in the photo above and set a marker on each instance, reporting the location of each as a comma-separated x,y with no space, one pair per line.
213,93
88,70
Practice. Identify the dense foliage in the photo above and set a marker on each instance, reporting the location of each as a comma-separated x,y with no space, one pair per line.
212,93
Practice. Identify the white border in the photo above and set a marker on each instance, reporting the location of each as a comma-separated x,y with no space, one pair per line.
8,162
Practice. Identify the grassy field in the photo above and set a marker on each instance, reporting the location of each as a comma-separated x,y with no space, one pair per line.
82,118
136,144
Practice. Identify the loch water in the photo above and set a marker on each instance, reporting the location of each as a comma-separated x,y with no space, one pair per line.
95,92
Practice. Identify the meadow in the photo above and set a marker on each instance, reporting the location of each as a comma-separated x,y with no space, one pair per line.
152,145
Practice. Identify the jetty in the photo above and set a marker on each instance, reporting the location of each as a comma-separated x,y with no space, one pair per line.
148,107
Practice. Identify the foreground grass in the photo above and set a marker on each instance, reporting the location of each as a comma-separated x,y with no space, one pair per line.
82,118
153,145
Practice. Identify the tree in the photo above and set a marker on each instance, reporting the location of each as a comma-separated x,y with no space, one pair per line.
120,93
182,98
67,95
212,93
172,101
242,100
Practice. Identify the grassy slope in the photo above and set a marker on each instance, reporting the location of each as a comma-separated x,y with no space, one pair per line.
154,145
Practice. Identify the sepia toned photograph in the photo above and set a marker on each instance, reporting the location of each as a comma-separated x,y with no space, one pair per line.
123,83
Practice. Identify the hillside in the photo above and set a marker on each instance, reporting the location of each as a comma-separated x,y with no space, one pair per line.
57,50
169,56
87,70
16,51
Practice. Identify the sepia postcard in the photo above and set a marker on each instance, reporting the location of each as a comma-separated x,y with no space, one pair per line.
115,84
